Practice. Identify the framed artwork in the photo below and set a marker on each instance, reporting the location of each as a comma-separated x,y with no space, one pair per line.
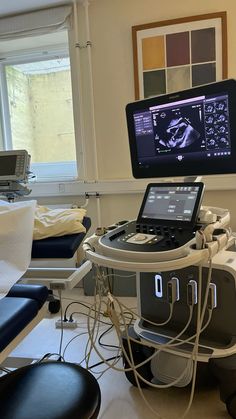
178,54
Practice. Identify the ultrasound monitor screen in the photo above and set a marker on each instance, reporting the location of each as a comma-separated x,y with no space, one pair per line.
7,165
188,133
177,202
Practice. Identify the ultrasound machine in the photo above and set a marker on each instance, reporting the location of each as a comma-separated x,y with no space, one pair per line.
183,253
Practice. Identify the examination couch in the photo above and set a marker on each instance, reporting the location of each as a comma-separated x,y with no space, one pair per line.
20,310
50,389
57,249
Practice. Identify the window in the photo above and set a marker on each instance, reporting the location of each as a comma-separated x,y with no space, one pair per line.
36,103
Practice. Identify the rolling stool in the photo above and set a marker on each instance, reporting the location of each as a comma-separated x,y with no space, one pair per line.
49,390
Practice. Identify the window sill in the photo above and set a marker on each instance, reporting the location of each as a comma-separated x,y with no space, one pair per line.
118,186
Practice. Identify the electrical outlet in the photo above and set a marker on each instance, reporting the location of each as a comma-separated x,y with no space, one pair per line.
57,285
66,325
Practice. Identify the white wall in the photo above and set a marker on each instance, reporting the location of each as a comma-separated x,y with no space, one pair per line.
111,22
112,61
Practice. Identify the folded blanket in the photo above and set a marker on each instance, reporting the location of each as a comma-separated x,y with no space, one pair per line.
57,222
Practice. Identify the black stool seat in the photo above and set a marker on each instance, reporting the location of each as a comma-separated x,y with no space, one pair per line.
50,390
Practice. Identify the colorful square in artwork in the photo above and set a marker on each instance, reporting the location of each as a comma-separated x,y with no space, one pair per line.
178,78
177,61
203,45
153,52
177,49
203,74
154,83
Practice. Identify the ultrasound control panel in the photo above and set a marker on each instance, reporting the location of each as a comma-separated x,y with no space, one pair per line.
147,238
166,220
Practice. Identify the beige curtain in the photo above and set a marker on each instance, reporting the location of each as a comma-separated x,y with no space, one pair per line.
39,22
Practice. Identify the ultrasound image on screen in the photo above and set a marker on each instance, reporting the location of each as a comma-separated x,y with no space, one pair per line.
182,134
179,129
194,127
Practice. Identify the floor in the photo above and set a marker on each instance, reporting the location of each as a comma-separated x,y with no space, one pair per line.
120,400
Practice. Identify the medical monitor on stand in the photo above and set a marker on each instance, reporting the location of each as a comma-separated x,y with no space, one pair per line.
188,133
14,173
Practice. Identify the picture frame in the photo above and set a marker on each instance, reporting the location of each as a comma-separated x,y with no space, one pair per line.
178,54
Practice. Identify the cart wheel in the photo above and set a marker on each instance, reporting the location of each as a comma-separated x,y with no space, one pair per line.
231,405
54,306
144,370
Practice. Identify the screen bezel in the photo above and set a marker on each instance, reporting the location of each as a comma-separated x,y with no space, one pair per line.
177,223
214,166
22,174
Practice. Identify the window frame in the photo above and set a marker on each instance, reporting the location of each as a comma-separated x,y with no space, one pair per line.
68,170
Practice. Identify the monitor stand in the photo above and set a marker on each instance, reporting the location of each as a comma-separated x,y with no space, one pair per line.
12,189
193,179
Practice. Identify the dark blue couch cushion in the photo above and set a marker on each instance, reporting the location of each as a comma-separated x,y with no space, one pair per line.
39,293
59,247
15,314
18,308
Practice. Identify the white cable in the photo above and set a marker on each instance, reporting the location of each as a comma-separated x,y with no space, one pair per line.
93,344
193,357
203,308
62,329
146,360
193,336
196,345
137,366
164,346
169,344
116,360
71,340
98,203
138,376
200,316
96,319
85,203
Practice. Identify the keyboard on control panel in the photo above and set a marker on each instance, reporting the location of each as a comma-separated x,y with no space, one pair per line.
172,236
148,237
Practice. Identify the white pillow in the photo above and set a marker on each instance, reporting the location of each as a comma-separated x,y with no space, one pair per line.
57,222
